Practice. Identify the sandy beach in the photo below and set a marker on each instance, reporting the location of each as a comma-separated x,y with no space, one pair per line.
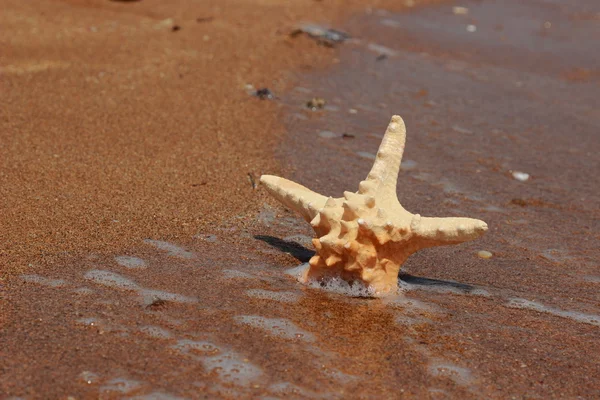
117,125
139,257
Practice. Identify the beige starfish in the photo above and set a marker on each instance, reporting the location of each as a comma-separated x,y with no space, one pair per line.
366,236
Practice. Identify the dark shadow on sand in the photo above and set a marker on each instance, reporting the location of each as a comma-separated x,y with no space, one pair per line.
419,281
300,252
303,254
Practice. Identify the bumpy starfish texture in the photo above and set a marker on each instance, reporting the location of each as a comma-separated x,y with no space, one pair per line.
366,236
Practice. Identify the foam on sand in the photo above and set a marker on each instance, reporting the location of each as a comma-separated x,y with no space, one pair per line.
332,284
573,315
170,248
229,366
461,376
130,262
42,280
114,280
121,385
279,327
156,332
284,297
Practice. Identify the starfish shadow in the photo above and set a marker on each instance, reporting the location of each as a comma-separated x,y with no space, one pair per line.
303,254
435,283
298,251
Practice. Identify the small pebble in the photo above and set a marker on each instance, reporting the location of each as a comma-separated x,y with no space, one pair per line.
367,155
89,377
164,23
377,48
519,202
327,134
316,103
264,94
458,129
204,19
457,10
353,111
471,28
484,254
520,176
408,165
207,238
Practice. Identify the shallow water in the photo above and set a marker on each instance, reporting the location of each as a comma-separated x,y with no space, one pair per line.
485,96
239,312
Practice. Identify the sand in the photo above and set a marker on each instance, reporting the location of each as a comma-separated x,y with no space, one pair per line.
115,126
137,259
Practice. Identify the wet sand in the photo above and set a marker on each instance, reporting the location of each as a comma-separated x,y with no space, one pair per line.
138,259
506,88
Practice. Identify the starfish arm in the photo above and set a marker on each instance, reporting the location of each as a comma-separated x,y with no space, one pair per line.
294,196
381,181
431,232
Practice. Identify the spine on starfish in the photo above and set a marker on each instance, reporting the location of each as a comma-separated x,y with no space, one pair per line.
381,181
294,196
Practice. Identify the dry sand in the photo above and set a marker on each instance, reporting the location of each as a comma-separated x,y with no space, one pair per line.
115,126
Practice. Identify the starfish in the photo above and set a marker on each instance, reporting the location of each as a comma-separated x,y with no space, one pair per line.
366,236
